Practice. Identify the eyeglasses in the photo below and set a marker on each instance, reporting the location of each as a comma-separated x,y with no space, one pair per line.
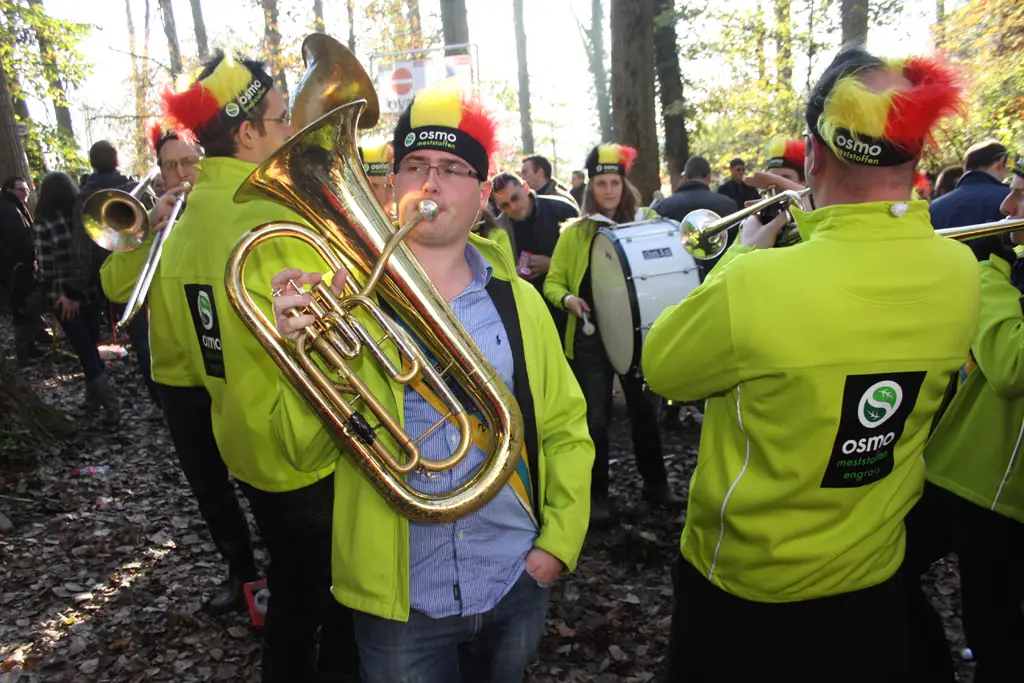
284,119
419,171
185,163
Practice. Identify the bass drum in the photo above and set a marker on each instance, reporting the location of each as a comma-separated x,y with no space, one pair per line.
637,270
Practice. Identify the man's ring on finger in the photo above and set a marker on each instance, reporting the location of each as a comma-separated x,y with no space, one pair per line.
277,291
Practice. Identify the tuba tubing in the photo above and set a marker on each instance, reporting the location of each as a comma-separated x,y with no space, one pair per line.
318,175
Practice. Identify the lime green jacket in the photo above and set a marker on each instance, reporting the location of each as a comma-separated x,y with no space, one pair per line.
370,555
569,263
975,450
169,362
500,236
204,328
824,364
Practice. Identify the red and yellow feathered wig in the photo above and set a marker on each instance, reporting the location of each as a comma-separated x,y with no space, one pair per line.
447,119
786,153
208,107
610,158
890,127
157,135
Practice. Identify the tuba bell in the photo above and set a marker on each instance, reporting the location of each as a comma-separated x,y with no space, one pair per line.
318,174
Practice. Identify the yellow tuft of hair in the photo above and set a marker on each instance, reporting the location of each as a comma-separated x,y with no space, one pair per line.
376,152
608,154
228,80
438,106
851,105
777,148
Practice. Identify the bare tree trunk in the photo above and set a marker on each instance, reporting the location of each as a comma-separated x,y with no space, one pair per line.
139,81
759,42
412,15
455,25
200,29
33,150
594,44
171,31
318,16
940,18
783,43
351,26
812,44
632,23
60,108
670,89
272,40
854,15
524,77
12,153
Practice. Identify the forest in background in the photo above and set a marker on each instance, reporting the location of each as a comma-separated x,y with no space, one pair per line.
672,78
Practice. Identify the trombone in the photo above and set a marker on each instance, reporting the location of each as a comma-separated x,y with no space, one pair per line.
118,222
703,232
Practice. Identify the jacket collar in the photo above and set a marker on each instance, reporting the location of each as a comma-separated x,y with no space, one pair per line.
868,221
692,185
977,178
217,172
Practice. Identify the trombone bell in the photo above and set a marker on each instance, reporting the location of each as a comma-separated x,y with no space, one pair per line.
115,220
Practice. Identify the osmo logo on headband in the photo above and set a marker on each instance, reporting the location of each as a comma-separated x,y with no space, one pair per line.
409,139
439,139
205,310
231,109
249,96
857,146
872,417
600,168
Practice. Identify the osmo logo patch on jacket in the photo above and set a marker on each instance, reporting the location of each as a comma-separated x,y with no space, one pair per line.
874,412
204,317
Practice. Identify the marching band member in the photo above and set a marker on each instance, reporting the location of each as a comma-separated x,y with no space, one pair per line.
377,163
974,494
786,160
240,120
820,398
462,600
610,199
184,399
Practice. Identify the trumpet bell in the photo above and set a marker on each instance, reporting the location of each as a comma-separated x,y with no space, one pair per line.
697,240
115,220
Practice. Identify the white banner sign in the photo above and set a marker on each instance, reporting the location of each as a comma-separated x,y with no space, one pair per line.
398,82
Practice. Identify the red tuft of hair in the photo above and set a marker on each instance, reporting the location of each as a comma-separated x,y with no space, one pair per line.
627,155
480,124
153,133
190,109
794,153
938,91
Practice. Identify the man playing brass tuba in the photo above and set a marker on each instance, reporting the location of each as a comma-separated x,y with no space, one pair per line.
240,119
466,599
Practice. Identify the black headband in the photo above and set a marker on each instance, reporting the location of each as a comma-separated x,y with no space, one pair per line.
442,139
239,108
597,169
782,162
865,150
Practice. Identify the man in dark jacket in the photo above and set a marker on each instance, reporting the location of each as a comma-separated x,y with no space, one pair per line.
533,223
694,194
977,196
536,171
734,188
17,264
88,257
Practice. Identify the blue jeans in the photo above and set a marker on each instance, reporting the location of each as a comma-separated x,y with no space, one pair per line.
83,333
495,647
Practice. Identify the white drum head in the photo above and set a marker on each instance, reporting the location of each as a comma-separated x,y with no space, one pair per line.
615,315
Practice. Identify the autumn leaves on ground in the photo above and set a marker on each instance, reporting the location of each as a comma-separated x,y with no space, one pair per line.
104,574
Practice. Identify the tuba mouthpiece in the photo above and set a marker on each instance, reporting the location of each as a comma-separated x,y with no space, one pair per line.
428,209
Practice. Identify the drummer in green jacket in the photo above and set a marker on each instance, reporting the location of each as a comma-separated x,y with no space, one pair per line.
824,365
974,467
610,199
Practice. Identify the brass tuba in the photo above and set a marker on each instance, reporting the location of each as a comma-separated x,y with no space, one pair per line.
318,174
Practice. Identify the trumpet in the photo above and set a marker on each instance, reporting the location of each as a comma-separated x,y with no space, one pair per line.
118,222
703,232
318,174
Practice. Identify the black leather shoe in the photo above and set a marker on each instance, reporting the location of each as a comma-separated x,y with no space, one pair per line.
664,497
228,600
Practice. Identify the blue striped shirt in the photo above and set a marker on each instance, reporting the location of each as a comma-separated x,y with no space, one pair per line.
465,567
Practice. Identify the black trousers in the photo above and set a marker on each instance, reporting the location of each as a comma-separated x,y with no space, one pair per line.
595,375
187,412
857,637
990,552
296,526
